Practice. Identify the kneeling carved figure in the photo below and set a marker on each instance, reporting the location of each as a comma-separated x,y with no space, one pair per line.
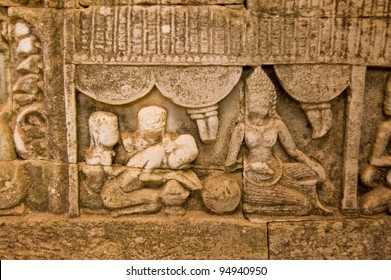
157,171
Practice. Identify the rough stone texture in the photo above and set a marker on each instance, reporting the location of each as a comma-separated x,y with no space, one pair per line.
159,2
41,185
331,239
275,109
196,236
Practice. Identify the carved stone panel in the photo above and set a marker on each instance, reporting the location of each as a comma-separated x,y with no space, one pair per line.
258,116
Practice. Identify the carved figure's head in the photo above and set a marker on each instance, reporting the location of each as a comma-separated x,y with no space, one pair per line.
261,98
152,121
103,128
387,97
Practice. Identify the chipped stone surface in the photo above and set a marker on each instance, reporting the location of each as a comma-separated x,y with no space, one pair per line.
194,237
331,239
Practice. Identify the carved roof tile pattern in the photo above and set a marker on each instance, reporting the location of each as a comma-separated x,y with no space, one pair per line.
321,8
210,35
252,32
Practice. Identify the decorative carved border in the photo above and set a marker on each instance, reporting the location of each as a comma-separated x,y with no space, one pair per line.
215,35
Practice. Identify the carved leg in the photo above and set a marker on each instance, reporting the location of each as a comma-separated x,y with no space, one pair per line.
275,200
303,179
376,201
138,201
138,209
371,176
92,179
319,207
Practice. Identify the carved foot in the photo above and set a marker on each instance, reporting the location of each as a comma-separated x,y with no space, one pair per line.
248,209
376,201
14,211
138,209
322,209
90,211
319,207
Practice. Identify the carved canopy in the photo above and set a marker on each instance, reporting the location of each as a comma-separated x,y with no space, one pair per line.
191,87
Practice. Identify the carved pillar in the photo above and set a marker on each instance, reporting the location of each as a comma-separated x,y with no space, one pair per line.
352,138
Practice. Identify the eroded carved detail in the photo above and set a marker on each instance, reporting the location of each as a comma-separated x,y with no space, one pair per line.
329,8
7,147
13,190
314,86
156,34
30,132
376,174
221,193
270,186
225,36
104,135
156,173
197,88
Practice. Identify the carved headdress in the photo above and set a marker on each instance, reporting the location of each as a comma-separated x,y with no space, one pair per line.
260,90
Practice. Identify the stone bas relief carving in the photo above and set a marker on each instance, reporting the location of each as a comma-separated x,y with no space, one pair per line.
27,184
376,174
155,173
180,117
314,86
224,107
199,89
293,32
270,186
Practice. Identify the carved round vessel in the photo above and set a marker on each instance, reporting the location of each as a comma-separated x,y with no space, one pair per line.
221,194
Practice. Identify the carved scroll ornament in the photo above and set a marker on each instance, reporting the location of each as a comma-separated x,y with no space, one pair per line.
30,134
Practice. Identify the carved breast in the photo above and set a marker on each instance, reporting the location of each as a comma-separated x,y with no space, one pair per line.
260,136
